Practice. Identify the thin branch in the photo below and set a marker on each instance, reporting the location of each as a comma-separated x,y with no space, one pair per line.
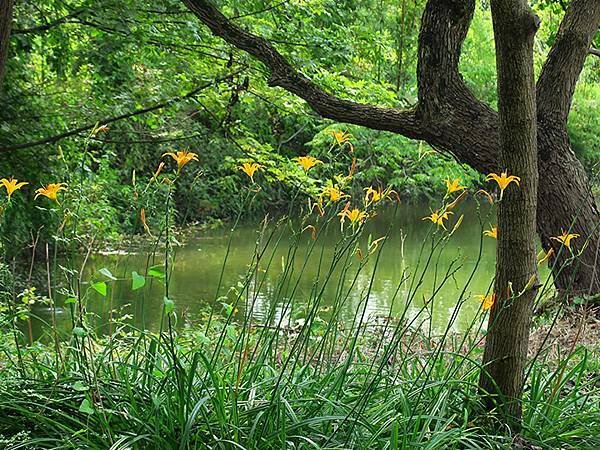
150,140
51,24
58,137
260,11
156,42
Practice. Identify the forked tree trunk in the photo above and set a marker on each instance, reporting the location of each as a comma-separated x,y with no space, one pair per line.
516,266
450,118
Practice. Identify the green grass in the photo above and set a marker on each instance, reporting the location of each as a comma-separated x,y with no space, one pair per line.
131,394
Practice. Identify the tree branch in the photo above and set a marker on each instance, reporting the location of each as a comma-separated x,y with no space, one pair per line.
105,121
444,26
557,81
285,76
455,120
51,24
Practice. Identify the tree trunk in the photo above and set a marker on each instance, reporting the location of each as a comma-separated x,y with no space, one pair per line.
516,266
400,45
6,7
565,202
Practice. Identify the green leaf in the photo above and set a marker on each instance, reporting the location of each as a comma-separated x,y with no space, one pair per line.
107,273
169,305
156,272
100,287
79,386
227,308
70,300
79,332
137,281
86,407
202,338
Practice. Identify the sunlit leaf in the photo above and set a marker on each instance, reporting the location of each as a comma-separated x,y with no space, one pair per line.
137,281
156,272
86,407
169,305
79,332
79,386
100,288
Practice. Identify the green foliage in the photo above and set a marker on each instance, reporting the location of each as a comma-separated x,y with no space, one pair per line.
584,123
112,58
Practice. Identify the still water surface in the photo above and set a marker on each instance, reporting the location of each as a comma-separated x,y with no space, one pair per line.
199,262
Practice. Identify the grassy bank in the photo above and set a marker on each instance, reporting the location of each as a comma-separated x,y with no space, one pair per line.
299,378
394,388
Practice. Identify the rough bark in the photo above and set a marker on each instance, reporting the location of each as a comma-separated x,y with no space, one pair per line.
507,339
565,202
559,75
6,7
565,199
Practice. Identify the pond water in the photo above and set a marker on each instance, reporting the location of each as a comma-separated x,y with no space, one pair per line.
375,290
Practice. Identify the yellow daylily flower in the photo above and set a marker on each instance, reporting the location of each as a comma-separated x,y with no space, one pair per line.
493,232
453,186
373,196
546,256
249,169
565,238
503,180
341,138
487,301
438,218
308,162
355,215
51,191
334,193
182,158
12,185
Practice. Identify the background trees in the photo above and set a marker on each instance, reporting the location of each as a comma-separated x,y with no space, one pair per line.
99,60
160,79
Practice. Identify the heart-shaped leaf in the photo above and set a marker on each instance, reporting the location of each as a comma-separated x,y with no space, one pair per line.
137,281
100,288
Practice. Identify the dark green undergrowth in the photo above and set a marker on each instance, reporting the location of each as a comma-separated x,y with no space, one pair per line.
140,391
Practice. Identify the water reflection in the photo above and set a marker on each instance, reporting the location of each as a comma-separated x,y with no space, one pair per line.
467,261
